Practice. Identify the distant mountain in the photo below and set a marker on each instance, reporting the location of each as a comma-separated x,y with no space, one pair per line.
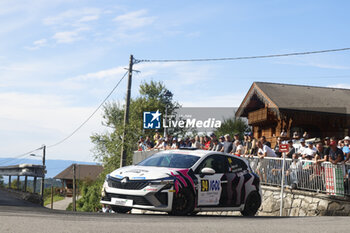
53,166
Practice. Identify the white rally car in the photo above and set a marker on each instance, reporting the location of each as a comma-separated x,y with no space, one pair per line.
184,182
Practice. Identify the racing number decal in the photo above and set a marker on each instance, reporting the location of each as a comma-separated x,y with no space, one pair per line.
204,185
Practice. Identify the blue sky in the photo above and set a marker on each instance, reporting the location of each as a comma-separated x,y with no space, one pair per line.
60,58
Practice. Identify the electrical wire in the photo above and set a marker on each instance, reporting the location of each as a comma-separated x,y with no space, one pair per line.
19,156
93,113
241,58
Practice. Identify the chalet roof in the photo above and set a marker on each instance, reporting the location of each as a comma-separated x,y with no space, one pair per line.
299,97
83,172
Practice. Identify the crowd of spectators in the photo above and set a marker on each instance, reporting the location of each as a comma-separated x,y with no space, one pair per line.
330,149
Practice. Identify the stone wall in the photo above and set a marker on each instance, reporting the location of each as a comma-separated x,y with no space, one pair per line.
302,203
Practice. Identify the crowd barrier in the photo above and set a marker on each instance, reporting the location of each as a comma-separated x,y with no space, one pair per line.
304,174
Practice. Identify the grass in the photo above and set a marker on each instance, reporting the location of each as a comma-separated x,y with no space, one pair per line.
55,198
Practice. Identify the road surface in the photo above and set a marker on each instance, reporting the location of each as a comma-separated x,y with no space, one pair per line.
25,217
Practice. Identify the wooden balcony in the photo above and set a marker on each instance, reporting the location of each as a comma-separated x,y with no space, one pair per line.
258,116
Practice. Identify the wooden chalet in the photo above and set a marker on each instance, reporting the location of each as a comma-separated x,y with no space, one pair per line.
83,172
273,107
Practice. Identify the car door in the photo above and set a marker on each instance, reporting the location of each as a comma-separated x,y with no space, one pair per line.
212,189
237,178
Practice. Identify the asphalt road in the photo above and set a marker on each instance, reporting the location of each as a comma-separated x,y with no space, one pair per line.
25,217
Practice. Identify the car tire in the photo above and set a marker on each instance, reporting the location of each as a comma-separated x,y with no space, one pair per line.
120,209
183,203
252,204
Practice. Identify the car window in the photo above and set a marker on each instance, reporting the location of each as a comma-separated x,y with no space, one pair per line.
170,160
236,165
216,162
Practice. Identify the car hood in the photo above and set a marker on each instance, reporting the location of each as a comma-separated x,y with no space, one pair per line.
143,172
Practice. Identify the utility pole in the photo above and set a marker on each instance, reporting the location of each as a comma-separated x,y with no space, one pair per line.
74,187
43,178
126,113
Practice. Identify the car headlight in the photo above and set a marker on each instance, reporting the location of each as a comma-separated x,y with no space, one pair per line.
161,182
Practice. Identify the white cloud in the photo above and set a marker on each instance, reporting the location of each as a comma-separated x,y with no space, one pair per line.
38,44
69,36
73,17
135,19
33,118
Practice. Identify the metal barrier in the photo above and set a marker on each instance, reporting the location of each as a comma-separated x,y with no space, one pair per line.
304,174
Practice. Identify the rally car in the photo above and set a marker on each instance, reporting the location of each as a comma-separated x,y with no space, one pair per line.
184,182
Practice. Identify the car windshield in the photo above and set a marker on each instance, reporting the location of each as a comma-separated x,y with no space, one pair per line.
170,160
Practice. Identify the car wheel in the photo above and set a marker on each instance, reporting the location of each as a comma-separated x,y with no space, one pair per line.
120,209
183,203
252,204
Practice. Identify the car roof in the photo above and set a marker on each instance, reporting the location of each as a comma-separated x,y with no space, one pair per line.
195,152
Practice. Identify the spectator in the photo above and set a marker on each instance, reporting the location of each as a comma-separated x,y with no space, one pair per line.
300,148
335,155
181,143
320,156
142,145
202,142
340,144
245,140
306,135
310,151
149,143
239,148
207,143
265,151
283,133
291,151
346,149
156,137
222,140
212,138
217,146
294,171
251,148
174,144
188,142
196,143
277,147
227,148
296,136
236,137
326,143
264,142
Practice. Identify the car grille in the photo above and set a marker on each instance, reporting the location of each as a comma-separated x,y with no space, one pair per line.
162,198
137,200
132,185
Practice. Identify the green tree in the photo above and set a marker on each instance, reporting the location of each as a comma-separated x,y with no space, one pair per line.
107,146
232,126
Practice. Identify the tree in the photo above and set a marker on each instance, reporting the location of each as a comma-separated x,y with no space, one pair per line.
107,146
232,126
1,181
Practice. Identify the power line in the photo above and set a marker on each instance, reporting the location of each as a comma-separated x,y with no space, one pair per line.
77,129
19,156
242,58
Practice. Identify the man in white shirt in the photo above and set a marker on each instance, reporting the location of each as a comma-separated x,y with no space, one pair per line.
265,151
310,151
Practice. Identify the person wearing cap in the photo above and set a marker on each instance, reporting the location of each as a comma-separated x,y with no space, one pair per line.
300,148
222,140
181,143
335,155
227,148
326,142
310,151
174,144
149,143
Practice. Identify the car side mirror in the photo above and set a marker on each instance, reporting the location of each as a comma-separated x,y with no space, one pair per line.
207,171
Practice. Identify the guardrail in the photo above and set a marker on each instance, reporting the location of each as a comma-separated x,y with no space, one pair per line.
307,175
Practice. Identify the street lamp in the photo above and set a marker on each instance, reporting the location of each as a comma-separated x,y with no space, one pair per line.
43,178
168,95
